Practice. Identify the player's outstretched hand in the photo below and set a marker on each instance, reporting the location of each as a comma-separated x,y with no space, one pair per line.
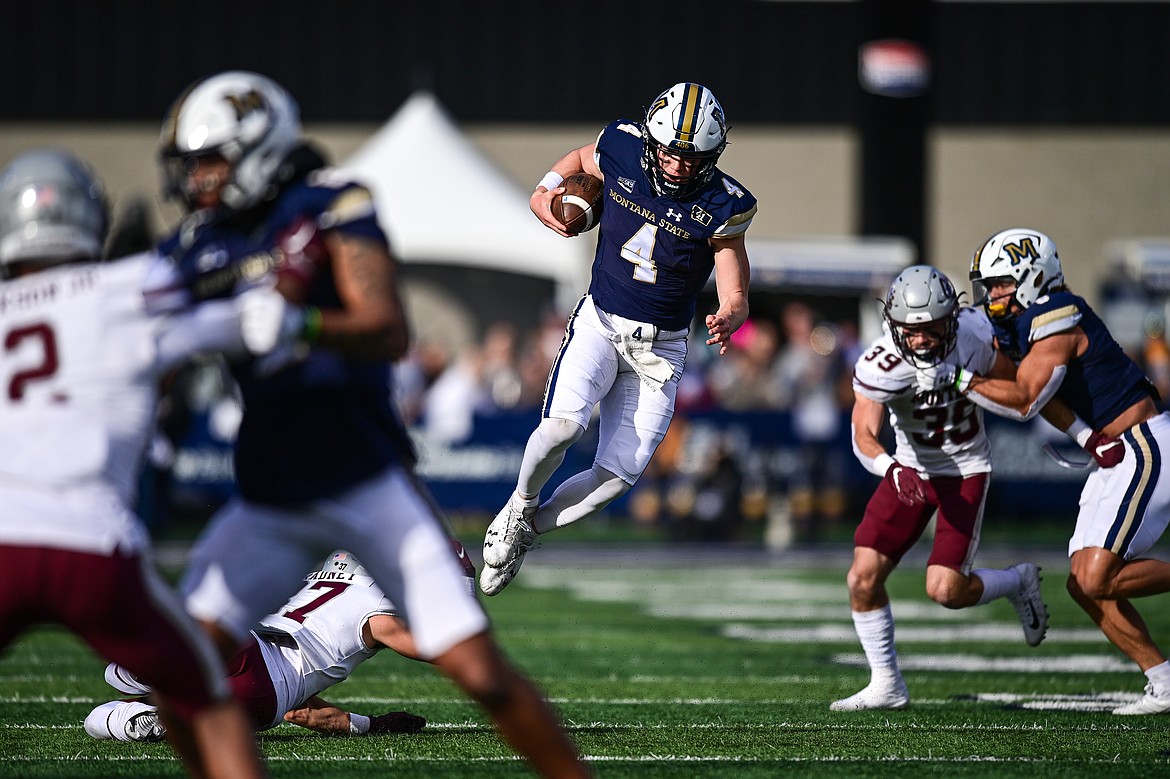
908,484
320,717
719,328
1106,450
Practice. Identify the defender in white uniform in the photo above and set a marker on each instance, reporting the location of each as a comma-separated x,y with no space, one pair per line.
942,462
337,621
80,362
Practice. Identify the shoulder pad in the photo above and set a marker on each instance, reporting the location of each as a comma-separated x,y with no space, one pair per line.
352,203
1056,320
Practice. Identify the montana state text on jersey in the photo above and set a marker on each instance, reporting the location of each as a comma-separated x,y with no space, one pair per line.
653,253
938,433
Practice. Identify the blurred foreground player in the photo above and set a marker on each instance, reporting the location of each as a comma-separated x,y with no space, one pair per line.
322,459
81,362
337,621
942,463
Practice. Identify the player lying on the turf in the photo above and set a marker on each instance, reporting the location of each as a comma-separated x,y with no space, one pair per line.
339,619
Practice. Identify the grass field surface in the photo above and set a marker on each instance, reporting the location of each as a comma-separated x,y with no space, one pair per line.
686,665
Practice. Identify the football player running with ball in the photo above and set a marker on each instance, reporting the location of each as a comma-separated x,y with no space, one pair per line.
1064,350
322,459
670,218
942,462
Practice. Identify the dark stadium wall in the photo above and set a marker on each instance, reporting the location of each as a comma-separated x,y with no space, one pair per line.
775,62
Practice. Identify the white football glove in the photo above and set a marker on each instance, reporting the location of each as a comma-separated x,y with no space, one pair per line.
269,321
943,376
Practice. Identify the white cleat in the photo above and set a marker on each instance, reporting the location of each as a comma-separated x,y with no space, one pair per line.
890,694
1029,604
492,580
1150,703
509,536
123,681
125,721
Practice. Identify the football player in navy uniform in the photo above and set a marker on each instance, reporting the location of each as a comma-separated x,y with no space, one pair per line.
322,459
670,218
1064,350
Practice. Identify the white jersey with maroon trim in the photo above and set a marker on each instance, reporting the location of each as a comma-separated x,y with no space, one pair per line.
938,433
78,388
324,621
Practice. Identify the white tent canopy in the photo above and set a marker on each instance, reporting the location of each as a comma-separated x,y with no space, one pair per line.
442,202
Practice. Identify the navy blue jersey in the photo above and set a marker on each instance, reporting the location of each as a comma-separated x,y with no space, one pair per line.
327,422
1101,383
653,255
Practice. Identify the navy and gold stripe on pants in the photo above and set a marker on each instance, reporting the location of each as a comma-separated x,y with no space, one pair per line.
1147,468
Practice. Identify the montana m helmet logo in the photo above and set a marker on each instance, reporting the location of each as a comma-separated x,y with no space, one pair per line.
246,103
1018,252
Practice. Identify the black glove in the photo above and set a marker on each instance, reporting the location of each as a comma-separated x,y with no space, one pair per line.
396,722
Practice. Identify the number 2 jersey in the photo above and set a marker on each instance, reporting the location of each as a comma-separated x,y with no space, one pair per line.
653,256
81,361
939,433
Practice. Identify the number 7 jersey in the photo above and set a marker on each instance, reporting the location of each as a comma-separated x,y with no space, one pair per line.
939,433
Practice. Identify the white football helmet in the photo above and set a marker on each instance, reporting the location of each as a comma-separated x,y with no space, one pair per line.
1028,256
921,299
341,562
52,209
248,119
686,120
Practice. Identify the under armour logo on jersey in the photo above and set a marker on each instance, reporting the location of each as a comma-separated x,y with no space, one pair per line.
675,215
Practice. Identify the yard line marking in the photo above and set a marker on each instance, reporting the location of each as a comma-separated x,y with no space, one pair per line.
430,759
970,632
1079,664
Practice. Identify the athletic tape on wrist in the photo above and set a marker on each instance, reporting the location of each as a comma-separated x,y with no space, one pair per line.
551,180
359,724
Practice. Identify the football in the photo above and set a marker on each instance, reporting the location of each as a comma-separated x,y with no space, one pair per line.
579,207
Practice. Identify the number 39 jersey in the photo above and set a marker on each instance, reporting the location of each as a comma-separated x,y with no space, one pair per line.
653,252
938,433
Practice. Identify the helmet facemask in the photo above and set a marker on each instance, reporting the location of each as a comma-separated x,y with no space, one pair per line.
684,121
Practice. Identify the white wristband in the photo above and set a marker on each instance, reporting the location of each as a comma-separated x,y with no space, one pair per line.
551,180
1079,431
359,724
882,463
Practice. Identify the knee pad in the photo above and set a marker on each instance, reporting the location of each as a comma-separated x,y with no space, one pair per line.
559,433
